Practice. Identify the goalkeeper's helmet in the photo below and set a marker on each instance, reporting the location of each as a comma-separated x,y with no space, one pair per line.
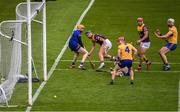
80,26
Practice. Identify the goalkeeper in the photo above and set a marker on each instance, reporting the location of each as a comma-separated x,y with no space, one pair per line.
76,45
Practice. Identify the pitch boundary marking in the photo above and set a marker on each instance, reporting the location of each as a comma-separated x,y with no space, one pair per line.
58,58
95,61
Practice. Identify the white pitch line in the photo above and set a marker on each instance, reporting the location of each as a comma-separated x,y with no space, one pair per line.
154,71
59,57
179,97
11,106
95,61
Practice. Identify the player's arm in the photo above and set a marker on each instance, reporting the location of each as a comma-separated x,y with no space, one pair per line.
134,52
119,54
92,49
159,35
80,42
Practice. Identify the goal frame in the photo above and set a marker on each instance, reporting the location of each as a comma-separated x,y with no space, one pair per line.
28,19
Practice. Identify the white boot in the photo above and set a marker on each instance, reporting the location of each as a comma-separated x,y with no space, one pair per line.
101,65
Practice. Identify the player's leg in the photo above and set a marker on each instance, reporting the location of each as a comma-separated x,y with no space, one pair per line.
84,52
74,48
163,51
101,56
108,46
114,72
131,76
141,53
128,64
76,54
103,52
143,57
125,71
106,55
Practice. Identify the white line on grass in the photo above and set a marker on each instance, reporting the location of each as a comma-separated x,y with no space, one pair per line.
179,97
95,61
154,71
59,57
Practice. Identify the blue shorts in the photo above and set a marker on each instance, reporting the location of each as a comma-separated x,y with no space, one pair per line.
171,46
125,63
74,47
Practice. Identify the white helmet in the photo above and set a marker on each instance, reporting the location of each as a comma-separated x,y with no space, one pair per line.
171,20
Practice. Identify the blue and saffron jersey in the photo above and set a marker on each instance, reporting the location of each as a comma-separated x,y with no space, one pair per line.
126,51
174,35
97,38
75,39
141,30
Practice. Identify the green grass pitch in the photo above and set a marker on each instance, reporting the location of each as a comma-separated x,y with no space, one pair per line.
89,90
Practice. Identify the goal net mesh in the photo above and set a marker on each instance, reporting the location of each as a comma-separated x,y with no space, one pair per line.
13,48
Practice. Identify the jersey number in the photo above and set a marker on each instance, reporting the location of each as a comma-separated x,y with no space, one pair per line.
127,49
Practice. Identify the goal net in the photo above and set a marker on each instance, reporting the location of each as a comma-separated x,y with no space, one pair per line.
14,48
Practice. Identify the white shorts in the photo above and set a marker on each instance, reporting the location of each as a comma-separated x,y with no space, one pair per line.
108,45
145,45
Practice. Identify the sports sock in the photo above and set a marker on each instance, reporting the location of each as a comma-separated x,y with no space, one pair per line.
73,63
145,59
81,63
166,64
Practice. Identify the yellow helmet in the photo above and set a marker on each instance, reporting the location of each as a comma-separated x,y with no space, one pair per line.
80,26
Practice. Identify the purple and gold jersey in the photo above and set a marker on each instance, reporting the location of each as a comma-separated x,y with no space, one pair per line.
141,29
97,38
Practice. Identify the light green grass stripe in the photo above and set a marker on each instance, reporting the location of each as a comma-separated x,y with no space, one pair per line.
154,71
95,61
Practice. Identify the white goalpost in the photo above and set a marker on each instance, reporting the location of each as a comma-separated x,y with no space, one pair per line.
16,48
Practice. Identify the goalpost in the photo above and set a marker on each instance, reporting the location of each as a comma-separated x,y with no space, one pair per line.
13,47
